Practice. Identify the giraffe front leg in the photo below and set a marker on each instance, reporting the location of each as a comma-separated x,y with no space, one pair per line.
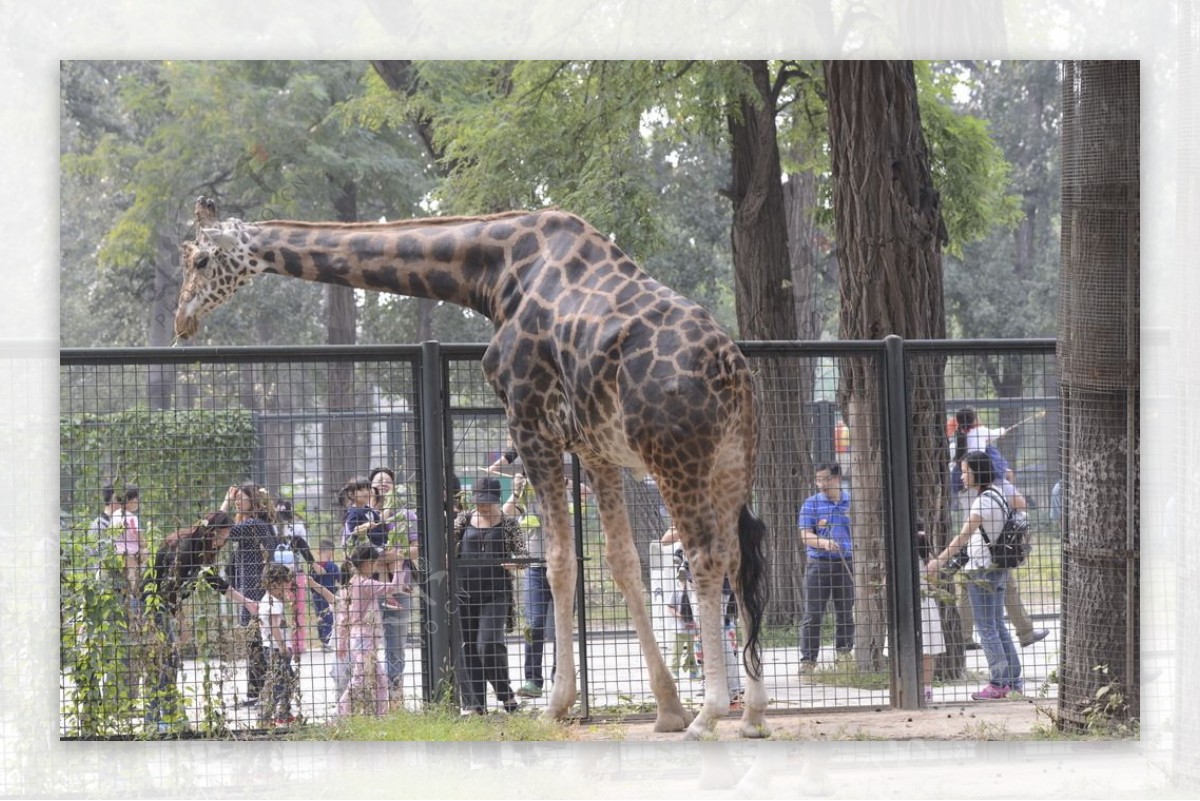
561,573
544,470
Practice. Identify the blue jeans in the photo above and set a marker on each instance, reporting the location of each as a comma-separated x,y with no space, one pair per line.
324,615
539,614
395,637
985,589
827,580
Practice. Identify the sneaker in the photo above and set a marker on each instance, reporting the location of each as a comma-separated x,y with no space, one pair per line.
990,693
737,703
468,711
1037,636
512,705
1015,689
808,668
531,690
285,720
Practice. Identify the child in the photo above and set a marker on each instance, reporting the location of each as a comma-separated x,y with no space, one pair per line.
279,584
364,626
932,641
680,605
327,575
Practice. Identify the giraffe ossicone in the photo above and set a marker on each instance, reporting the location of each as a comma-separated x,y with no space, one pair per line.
590,355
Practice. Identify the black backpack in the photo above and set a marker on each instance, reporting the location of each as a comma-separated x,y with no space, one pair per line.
1010,548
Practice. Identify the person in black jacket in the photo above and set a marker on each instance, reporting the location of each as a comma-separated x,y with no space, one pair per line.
185,556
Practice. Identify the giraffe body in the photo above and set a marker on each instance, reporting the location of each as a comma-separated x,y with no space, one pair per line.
590,355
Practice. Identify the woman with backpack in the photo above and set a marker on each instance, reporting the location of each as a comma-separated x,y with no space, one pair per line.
985,582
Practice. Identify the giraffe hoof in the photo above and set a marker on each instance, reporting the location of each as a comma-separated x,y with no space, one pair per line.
671,721
753,731
698,731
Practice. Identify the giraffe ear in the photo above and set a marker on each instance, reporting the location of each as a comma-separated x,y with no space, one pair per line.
220,238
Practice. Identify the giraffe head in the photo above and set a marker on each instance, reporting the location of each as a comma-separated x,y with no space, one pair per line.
214,266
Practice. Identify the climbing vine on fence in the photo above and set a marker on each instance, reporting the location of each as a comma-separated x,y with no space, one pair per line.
181,463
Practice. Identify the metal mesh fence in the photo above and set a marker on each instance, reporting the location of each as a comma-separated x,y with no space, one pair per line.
302,424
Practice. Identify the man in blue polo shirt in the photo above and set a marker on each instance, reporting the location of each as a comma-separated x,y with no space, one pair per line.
829,576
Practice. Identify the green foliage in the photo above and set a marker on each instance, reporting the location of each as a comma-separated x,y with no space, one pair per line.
1006,284
179,460
266,138
1108,713
96,639
638,148
968,169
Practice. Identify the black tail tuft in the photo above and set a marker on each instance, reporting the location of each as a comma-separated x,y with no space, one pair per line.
752,578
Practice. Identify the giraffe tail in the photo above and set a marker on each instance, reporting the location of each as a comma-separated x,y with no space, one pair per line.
752,581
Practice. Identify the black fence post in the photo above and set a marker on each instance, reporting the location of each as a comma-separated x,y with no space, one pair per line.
580,587
905,604
439,664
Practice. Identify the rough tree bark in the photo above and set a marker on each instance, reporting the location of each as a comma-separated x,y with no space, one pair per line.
766,311
1098,354
345,439
890,234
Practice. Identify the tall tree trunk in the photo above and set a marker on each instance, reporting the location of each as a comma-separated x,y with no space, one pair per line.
161,377
346,439
404,79
889,233
765,310
788,563
1098,358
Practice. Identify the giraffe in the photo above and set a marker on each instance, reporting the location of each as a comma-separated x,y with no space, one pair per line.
590,355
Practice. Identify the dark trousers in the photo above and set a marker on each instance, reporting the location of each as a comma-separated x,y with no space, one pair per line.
279,682
825,581
256,659
324,618
483,655
539,614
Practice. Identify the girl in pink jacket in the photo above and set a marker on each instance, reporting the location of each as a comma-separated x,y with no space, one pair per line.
363,626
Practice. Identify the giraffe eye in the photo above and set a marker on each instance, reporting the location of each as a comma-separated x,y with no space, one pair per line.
200,261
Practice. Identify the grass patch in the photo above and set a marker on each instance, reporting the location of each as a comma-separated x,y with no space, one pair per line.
847,674
440,724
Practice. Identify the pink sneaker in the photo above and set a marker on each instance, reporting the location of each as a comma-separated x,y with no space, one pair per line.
990,693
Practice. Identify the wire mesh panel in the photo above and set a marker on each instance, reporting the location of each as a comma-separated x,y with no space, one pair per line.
174,513
1005,404
820,490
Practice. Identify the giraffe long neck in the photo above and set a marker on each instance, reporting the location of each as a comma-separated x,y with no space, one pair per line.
459,260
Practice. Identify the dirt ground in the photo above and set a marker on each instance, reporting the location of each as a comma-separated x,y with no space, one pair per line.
977,720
